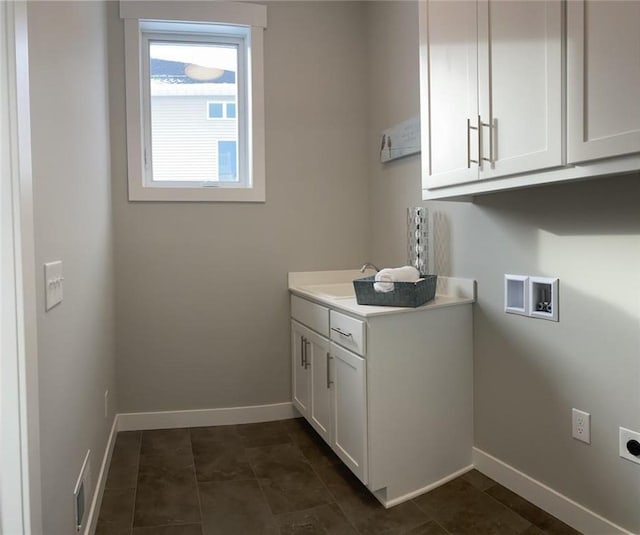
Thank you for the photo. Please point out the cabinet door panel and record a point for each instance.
(350, 413)
(448, 63)
(520, 85)
(299, 372)
(320, 413)
(603, 77)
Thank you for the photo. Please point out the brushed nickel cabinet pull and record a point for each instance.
(329, 381)
(306, 353)
(491, 130)
(468, 143)
(302, 352)
(469, 128)
(340, 331)
(479, 129)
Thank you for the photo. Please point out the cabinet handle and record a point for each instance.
(468, 143)
(306, 353)
(340, 331)
(329, 381)
(302, 352)
(491, 130)
(469, 128)
(479, 129)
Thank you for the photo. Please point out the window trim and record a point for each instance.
(239, 38)
(135, 14)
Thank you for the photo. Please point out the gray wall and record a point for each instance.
(202, 306)
(528, 373)
(71, 176)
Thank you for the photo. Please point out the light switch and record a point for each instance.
(53, 284)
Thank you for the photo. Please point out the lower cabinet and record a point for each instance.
(391, 394)
(320, 391)
(329, 390)
(349, 430)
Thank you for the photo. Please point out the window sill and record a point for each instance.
(207, 194)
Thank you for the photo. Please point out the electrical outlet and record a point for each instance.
(581, 425)
(106, 404)
(627, 445)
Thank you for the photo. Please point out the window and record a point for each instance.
(221, 110)
(214, 110)
(174, 71)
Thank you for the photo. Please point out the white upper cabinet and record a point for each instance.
(449, 98)
(520, 86)
(491, 89)
(603, 79)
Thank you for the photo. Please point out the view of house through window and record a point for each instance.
(193, 99)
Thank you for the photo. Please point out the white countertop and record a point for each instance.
(335, 289)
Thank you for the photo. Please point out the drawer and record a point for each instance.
(348, 332)
(314, 316)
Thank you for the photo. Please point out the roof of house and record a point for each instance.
(173, 72)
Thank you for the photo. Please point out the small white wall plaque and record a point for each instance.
(400, 140)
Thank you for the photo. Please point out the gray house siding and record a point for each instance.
(184, 141)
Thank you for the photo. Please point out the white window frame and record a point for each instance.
(194, 18)
(236, 36)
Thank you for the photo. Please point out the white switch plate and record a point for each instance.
(581, 425)
(625, 436)
(53, 284)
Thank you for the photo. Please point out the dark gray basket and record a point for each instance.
(404, 294)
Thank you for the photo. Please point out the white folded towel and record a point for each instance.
(386, 277)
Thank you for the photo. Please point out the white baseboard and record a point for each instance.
(424, 490)
(140, 421)
(92, 516)
(570, 512)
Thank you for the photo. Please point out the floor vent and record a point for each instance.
(83, 486)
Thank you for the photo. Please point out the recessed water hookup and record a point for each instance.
(536, 297)
(543, 298)
(516, 292)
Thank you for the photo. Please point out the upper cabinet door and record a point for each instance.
(603, 79)
(520, 86)
(449, 98)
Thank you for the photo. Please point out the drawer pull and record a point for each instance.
(302, 352)
(341, 332)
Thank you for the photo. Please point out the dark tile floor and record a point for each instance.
(280, 478)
